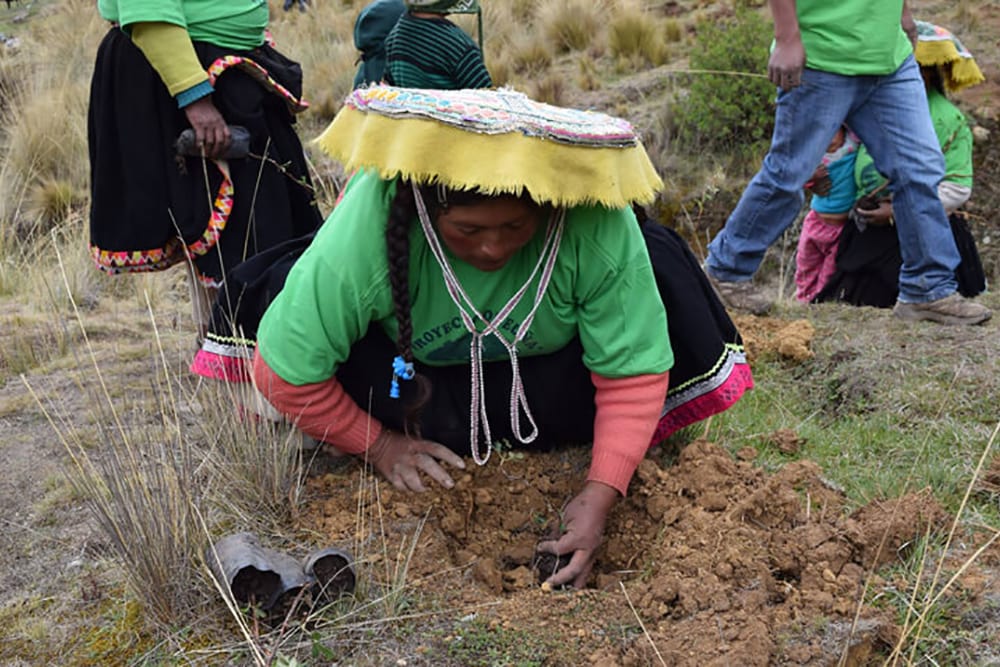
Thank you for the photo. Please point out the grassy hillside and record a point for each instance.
(119, 467)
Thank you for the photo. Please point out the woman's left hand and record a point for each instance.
(880, 215)
(582, 528)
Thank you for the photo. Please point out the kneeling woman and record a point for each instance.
(485, 266)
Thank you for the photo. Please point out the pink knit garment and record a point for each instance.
(816, 257)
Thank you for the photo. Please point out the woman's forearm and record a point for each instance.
(628, 410)
(168, 49)
(322, 410)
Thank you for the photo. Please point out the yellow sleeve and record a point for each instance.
(168, 49)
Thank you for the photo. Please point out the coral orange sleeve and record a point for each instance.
(322, 410)
(627, 412)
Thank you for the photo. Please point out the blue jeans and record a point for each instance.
(890, 116)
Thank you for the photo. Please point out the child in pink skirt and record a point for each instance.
(817, 250)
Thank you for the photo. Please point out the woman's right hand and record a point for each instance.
(210, 129)
(401, 459)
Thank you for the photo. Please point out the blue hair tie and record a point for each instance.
(401, 369)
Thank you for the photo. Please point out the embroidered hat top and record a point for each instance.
(494, 141)
(937, 46)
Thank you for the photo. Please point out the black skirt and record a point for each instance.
(149, 209)
(868, 263)
(710, 370)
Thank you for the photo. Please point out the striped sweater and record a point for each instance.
(433, 53)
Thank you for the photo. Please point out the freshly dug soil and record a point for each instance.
(710, 560)
(722, 562)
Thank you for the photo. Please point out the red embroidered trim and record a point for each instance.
(258, 74)
(174, 251)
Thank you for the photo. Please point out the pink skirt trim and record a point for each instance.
(221, 367)
(701, 407)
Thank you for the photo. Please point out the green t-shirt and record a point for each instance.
(954, 137)
(853, 37)
(231, 24)
(602, 289)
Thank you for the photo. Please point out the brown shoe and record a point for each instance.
(952, 309)
(743, 296)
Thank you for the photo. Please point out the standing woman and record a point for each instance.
(496, 287)
(166, 66)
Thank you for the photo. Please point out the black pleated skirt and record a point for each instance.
(151, 209)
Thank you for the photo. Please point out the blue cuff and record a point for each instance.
(193, 94)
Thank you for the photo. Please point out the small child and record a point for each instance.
(816, 256)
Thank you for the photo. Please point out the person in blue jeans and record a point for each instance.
(848, 62)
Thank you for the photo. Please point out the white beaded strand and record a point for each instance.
(470, 314)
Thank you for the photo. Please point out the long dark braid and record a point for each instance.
(397, 241)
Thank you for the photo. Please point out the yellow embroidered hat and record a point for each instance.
(494, 141)
(937, 46)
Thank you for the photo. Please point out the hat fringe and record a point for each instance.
(429, 152)
(963, 71)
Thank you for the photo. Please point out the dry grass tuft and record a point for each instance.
(52, 200)
(572, 25)
(11, 77)
(966, 17)
(501, 69)
(37, 342)
(550, 88)
(635, 34)
(521, 10)
(528, 54)
(143, 488)
(673, 31)
(42, 147)
(255, 461)
(44, 118)
(588, 78)
(928, 595)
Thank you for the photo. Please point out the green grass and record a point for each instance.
(872, 451)
(954, 628)
(479, 643)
